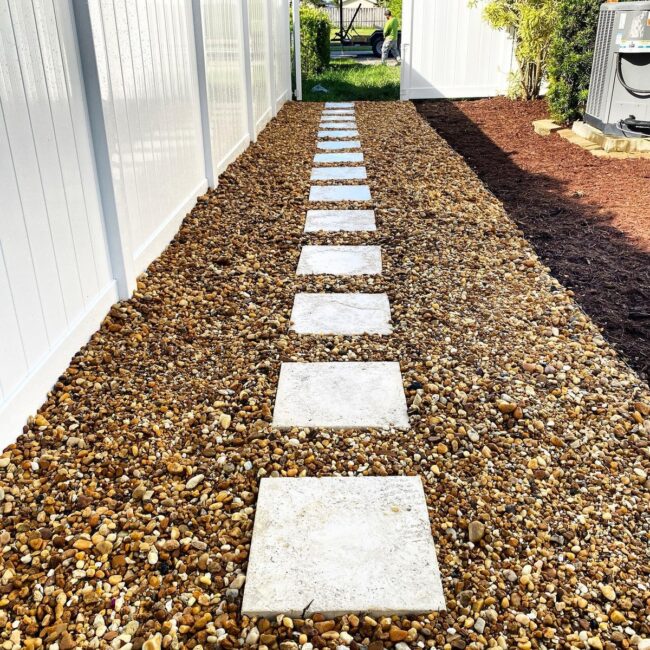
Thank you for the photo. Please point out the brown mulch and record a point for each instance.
(587, 217)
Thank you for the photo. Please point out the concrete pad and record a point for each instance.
(330, 158)
(339, 545)
(339, 133)
(339, 193)
(345, 314)
(339, 104)
(340, 220)
(343, 395)
(335, 126)
(338, 120)
(338, 174)
(337, 115)
(344, 144)
(339, 260)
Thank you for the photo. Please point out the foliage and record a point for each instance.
(347, 80)
(314, 40)
(569, 66)
(531, 23)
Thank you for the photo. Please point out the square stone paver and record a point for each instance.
(339, 104)
(335, 126)
(345, 314)
(338, 545)
(341, 395)
(344, 144)
(342, 133)
(339, 260)
(338, 174)
(339, 193)
(340, 220)
(331, 158)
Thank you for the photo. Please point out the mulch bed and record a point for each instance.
(128, 502)
(588, 217)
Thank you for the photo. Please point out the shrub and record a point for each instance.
(314, 40)
(531, 22)
(570, 58)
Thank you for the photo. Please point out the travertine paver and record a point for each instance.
(341, 395)
(331, 158)
(340, 133)
(346, 144)
(339, 260)
(340, 220)
(339, 104)
(338, 173)
(335, 126)
(341, 313)
(338, 545)
(339, 193)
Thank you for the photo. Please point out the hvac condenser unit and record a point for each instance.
(619, 91)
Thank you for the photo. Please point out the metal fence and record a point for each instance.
(367, 16)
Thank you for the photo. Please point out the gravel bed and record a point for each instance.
(128, 503)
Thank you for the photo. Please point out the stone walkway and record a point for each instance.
(446, 356)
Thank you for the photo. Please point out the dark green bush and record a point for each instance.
(572, 50)
(314, 40)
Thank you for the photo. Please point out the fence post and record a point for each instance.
(271, 20)
(248, 71)
(199, 47)
(296, 48)
(116, 223)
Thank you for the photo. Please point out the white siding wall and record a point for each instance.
(149, 95)
(260, 56)
(55, 278)
(450, 51)
(227, 106)
(108, 129)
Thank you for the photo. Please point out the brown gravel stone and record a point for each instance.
(135, 501)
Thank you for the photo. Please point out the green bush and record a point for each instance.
(314, 40)
(570, 58)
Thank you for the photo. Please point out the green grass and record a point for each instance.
(361, 31)
(348, 81)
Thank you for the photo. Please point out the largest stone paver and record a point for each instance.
(342, 545)
(341, 395)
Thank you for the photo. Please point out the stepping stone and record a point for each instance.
(338, 114)
(343, 395)
(337, 125)
(338, 173)
(339, 193)
(345, 314)
(328, 158)
(338, 545)
(340, 220)
(339, 104)
(347, 133)
(347, 144)
(339, 260)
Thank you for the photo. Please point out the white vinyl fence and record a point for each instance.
(448, 50)
(115, 115)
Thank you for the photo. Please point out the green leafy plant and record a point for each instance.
(314, 40)
(531, 24)
(572, 49)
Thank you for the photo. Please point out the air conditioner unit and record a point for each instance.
(619, 91)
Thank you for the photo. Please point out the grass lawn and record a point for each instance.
(361, 31)
(347, 81)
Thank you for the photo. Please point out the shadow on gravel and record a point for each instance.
(608, 274)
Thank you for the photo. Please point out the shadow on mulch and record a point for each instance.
(607, 271)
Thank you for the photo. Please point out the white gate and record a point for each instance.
(448, 50)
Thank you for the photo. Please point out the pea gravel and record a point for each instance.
(128, 502)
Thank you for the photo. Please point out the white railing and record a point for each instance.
(114, 116)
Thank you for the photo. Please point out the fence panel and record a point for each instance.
(148, 85)
(260, 63)
(227, 106)
(55, 277)
(450, 51)
(282, 52)
(365, 17)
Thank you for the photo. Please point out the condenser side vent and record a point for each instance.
(601, 63)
